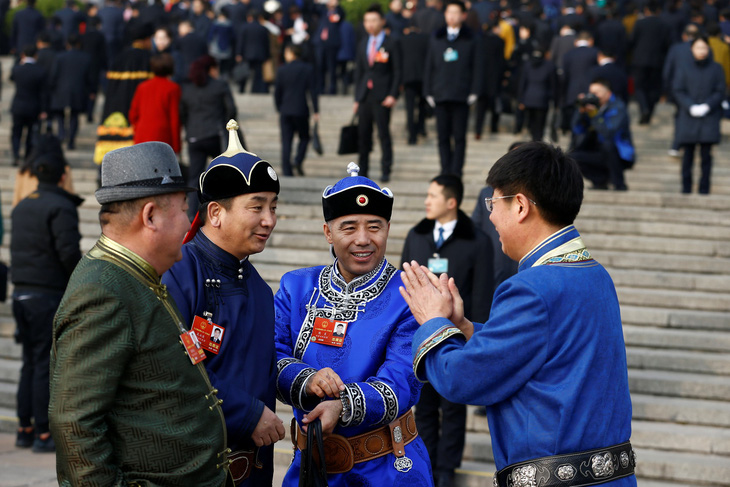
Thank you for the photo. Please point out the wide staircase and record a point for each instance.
(669, 255)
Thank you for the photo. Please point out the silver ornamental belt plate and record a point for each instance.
(403, 464)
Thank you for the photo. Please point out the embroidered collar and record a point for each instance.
(359, 282)
(553, 246)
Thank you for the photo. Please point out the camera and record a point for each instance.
(588, 99)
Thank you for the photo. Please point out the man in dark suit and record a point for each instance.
(429, 19)
(611, 35)
(112, 21)
(577, 66)
(452, 79)
(609, 70)
(327, 42)
(293, 81)
(70, 83)
(415, 44)
(92, 43)
(27, 24)
(377, 81)
(650, 42)
(492, 56)
(29, 101)
(191, 46)
(70, 18)
(252, 46)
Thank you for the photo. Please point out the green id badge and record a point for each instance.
(438, 265)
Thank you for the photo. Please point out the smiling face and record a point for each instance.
(359, 243)
(246, 226)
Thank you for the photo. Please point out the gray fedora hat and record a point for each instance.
(138, 171)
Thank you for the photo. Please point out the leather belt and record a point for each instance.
(571, 470)
(241, 464)
(341, 453)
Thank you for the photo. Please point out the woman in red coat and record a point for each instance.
(154, 113)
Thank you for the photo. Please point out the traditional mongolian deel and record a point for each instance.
(126, 403)
(555, 378)
(373, 363)
(216, 291)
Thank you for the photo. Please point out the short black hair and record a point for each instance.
(546, 175)
(74, 40)
(375, 8)
(295, 50)
(453, 187)
(458, 3)
(603, 82)
(30, 50)
(162, 64)
(226, 203)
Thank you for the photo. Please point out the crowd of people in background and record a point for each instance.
(525, 58)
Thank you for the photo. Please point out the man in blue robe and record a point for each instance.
(230, 307)
(552, 355)
(361, 386)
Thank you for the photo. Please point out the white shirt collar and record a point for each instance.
(448, 229)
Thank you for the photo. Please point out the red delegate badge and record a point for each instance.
(329, 332)
(192, 345)
(209, 334)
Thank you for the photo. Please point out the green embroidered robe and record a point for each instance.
(127, 406)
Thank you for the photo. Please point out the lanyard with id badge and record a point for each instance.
(438, 265)
(451, 55)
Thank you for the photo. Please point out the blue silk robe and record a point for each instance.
(374, 361)
(244, 369)
(549, 364)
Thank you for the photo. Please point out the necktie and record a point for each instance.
(451, 37)
(440, 240)
(371, 52)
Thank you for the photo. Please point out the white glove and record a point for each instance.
(472, 99)
(431, 101)
(696, 111)
(705, 109)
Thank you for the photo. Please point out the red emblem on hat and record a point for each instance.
(362, 200)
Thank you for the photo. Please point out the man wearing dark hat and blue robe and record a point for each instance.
(360, 385)
(224, 300)
(130, 402)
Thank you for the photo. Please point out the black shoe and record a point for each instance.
(603, 186)
(385, 178)
(411, 141)
(622, 187)
(24, 440)
(299, 170)
(645, 119)
(71, 146)
(44, 446)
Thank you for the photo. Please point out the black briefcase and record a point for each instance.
(316, 141)
(349, 143)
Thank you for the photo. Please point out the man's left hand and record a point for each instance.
(328, 413)
(428, 296)
(388, 102)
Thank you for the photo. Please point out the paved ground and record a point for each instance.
(23, 468)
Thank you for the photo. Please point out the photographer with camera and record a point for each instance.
(603, 148)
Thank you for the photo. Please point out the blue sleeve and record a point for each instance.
(291, 373)
(394, 389)
(508, 349)
(241, 409)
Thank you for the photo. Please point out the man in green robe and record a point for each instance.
(131, 403)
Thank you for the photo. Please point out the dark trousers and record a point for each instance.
(487, 104)
(414, 99)
(648, 82)
(327, 68)
(451, 120)
(688, 162)
(291, 124)
(371, 111)
(566, 118)
(601, 165)
(444, 439)
(536, 119)
(198, 153)
(21, 124)
(257, 84)
(33, 312)
(73, 126)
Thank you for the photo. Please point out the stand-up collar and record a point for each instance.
(554, 241)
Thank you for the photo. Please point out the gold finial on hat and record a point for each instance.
(234, 144)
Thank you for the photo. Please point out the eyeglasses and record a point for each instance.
(490, 201)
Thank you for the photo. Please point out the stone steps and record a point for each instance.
(688, 340)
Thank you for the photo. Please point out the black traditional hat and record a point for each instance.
(356, 195)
